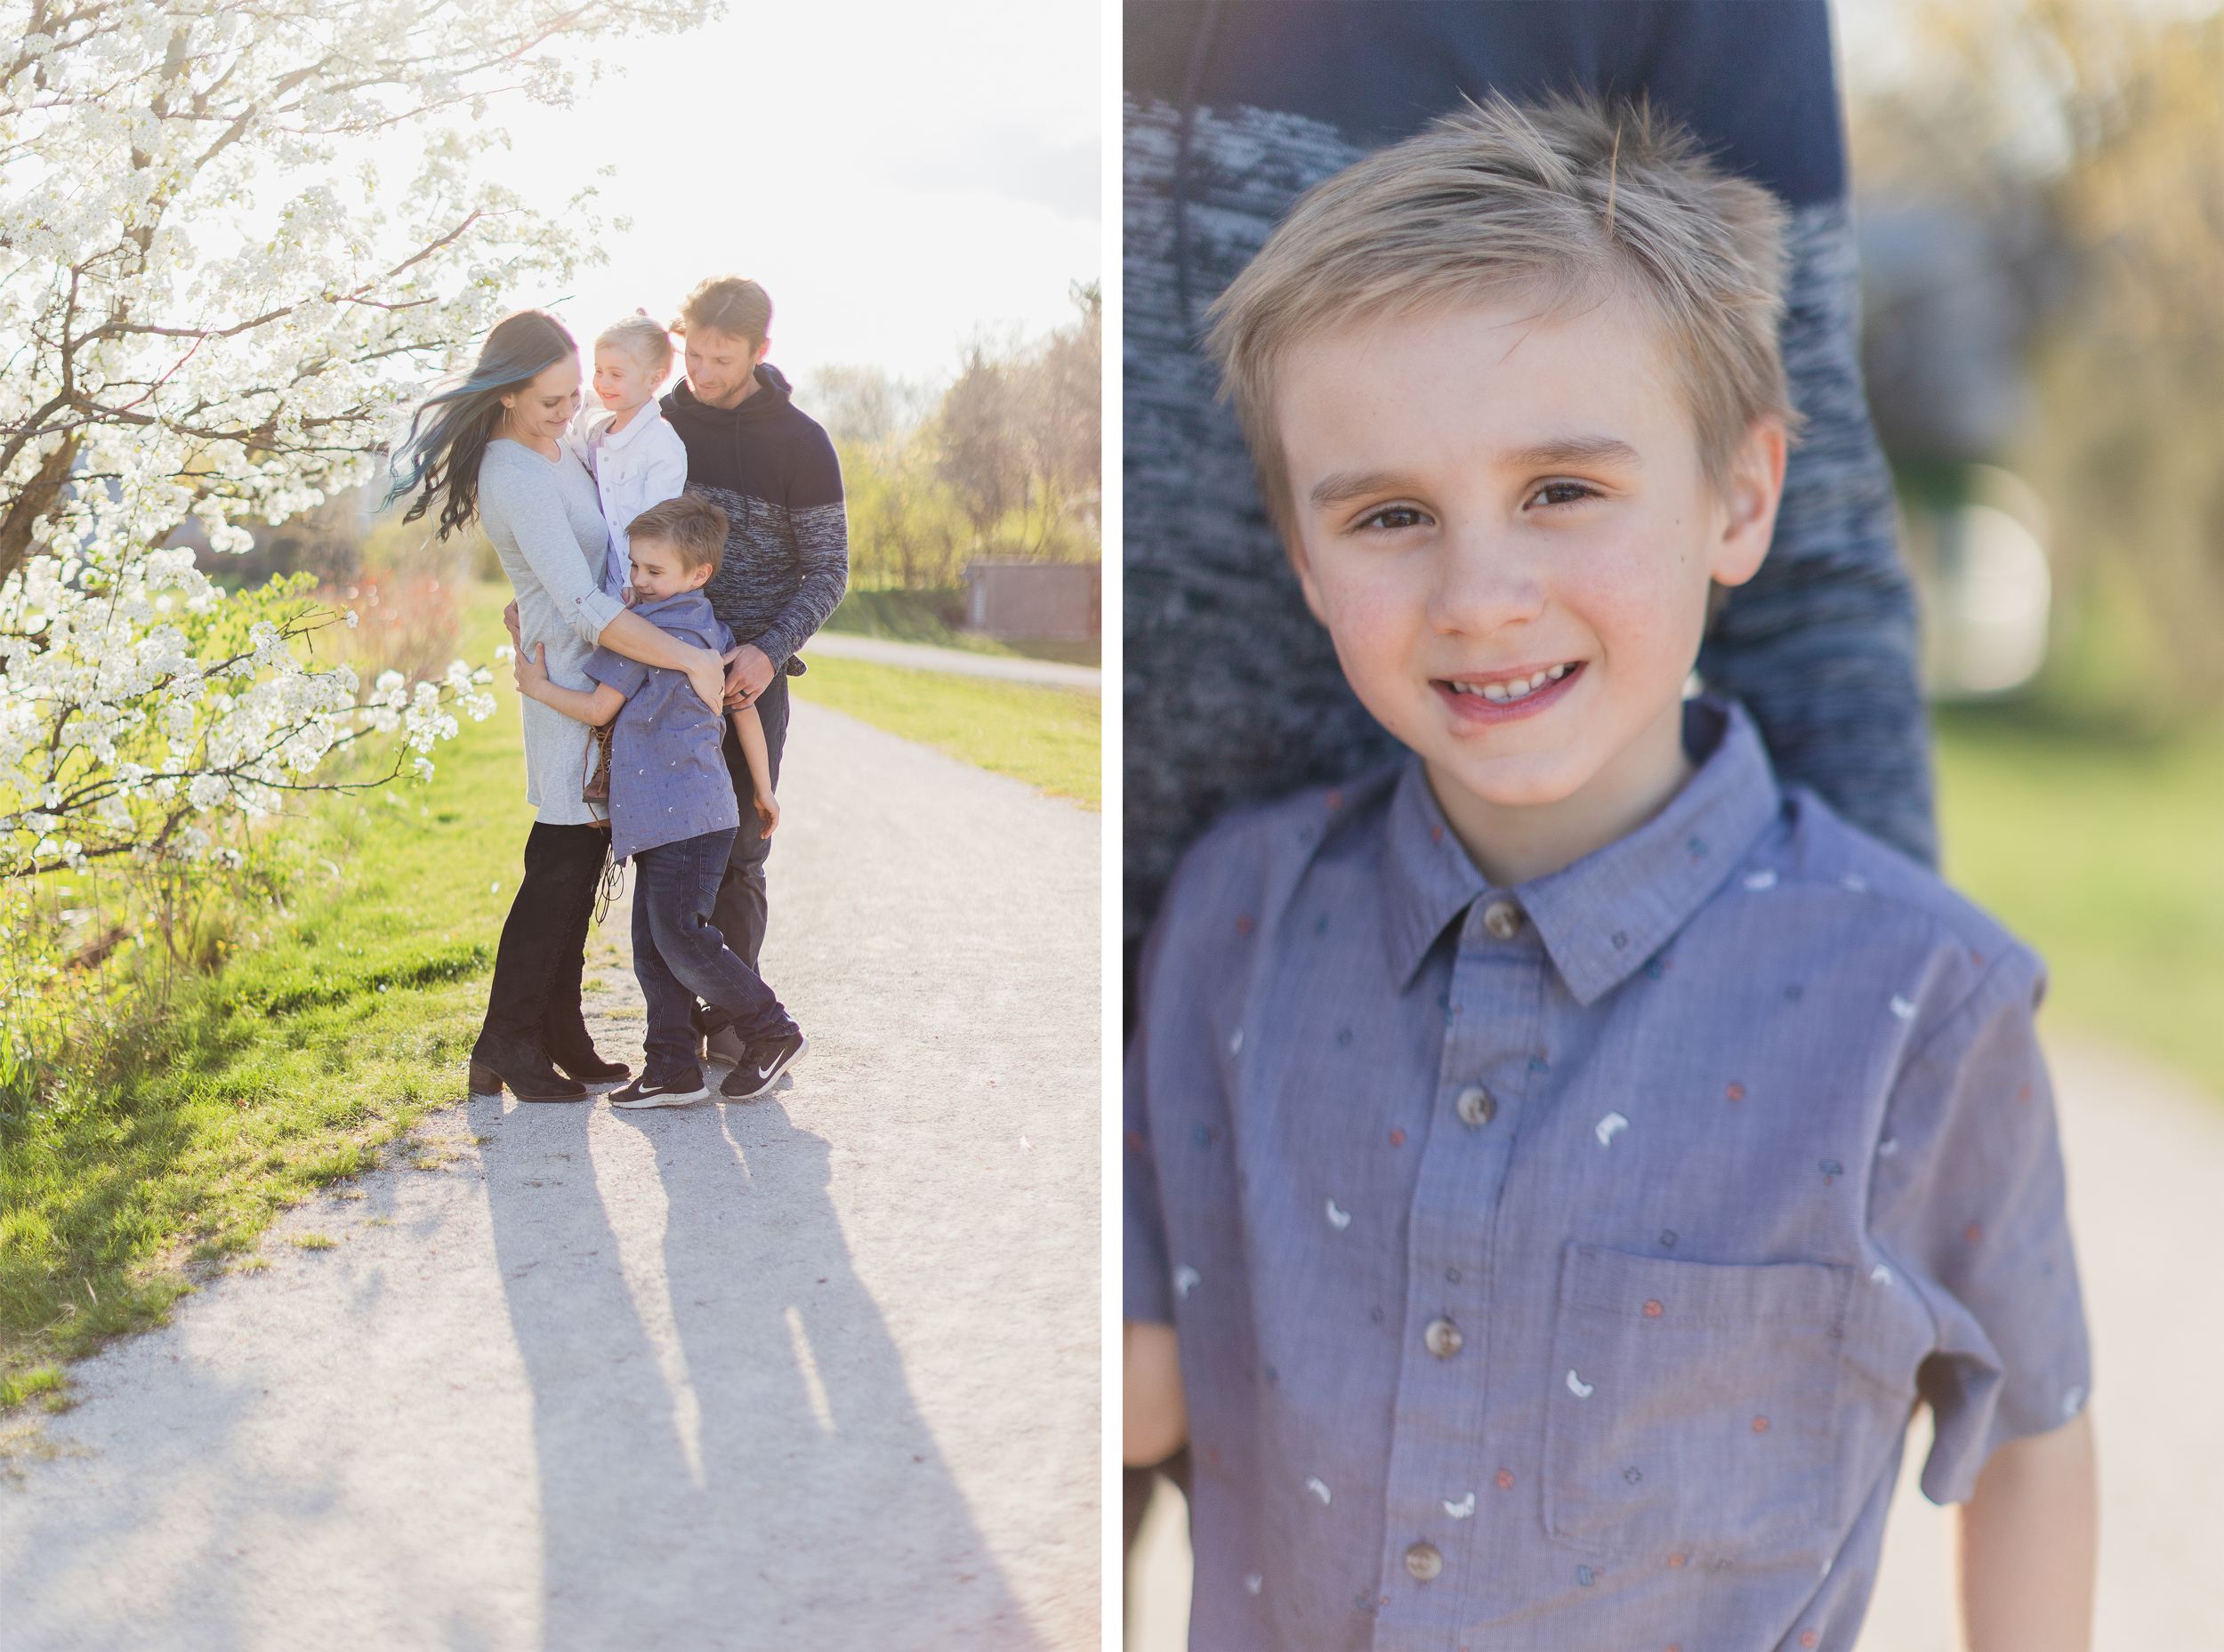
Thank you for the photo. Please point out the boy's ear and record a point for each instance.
(1754, 489)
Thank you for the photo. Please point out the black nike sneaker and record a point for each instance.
(675, 1091)
(762, 1065)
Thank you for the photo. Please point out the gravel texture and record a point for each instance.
(819, 1370)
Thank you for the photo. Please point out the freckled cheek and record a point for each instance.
(1642, 605)
(1373, 617)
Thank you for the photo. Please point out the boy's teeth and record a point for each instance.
(1514, 688)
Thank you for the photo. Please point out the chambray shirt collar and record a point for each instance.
(1602, 917)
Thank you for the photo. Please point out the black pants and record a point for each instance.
(741, 912)
(534, 995)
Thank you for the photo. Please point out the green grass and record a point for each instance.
(2107, 855)
(1053, 739)
(346, 1018)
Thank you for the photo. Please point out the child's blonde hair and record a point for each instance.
(643, 335)
(1569, 200)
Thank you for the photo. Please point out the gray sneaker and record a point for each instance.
(680, 1092)
(725, 1045)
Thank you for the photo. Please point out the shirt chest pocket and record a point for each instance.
(1692, 1412)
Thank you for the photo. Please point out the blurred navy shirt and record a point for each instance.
(1557, 1267)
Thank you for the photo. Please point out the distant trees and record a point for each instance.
(1005, 461)
(2093, 133)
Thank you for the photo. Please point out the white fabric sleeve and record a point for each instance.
(664, 466)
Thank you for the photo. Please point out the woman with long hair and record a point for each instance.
(490, 448)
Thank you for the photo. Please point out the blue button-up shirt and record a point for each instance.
(1558, 1266)
(668, 777)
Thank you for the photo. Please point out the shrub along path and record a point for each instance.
(817, 1370)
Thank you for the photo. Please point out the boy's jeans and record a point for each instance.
(679, 955)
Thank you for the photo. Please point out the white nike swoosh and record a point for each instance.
(764, 1072)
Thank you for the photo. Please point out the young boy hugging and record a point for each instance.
(1568, 1157)
(636, 458)
(673, 810)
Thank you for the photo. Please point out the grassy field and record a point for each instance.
(1049, 738)
(345, 1015)
(2109, 856)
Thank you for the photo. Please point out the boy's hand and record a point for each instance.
(532, 674)
(767, 815)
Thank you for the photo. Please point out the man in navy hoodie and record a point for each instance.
(772, 470)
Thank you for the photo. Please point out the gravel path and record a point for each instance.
(2145, 1156)
(819, 1370)
(921, 657)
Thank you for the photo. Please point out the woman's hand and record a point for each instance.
(706, 674)
(532, 674)
(768, 814)
(510, 621)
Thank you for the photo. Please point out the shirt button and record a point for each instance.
(1442, 1338)
(1502, 919)
(1423, 1561)
(1476, 1106)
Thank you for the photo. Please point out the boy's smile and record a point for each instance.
(1502, 519)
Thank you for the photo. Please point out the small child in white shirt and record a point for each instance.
(636, 457)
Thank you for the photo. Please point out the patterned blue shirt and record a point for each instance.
(668, 778)
(1558, 1266)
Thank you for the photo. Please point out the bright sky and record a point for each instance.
(898, 175)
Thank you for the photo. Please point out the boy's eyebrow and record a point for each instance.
(1575, 450)
(1340, 486)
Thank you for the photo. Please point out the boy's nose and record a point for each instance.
(1480, 585)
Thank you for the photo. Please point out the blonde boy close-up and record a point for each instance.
(1561, 1162)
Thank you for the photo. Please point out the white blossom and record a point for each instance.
(235, 235)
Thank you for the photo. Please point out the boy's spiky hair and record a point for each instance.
(690, 525)
(1567, 202)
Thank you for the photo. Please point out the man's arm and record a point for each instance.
(1154, 1418)
(2027, 1543)
(820, 523)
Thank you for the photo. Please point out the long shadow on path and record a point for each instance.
(729, 1453)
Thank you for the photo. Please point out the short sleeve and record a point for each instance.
(614, 670)
(1172, 1071)
(1971, 1201)
(1146, 1278)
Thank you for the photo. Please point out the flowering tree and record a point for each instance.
(234, 236)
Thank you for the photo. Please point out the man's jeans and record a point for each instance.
(740, 912)
(679, 954)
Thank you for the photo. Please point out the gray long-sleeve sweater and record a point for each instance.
(545, 521)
